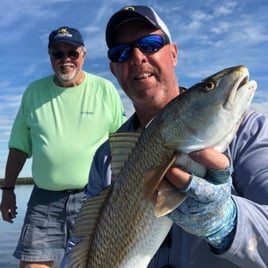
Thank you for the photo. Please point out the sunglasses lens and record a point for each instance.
(73, 54)
(147, 44)
(120, 53)
(58, 55)
(151, 43)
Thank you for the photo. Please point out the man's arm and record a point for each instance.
(247, 242)
(15, 162)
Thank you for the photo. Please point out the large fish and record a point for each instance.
(120, 227)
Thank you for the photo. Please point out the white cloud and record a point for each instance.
(210, 36)
(226, 9)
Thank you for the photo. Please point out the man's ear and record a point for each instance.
(111, 67)
(175, 53)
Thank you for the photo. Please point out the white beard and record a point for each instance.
(67, 77)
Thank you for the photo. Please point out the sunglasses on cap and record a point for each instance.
(59, 55)
(148, 44)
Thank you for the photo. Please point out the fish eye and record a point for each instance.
(209, 85)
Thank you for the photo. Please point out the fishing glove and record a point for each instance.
(209, 211)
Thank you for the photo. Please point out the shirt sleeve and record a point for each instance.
(250, 245)
(20, 137)
(100, 173)
(249, 152)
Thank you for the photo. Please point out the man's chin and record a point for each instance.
(66, 77)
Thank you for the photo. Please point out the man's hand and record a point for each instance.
(208, 211)
(8, 205)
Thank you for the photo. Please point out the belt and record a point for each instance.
(73, 191)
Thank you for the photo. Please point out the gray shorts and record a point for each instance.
(48, 221)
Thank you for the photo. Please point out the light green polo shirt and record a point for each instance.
(61, 128)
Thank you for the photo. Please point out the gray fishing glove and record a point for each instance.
(208, 211)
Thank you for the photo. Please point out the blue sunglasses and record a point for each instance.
(148, 45)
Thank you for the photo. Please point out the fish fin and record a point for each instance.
(168, 198)
(154, 176)
(121, 145)
(85, 228)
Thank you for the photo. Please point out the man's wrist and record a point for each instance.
(8, 188)
(223, 238)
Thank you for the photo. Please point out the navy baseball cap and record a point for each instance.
(134, 12)
(65, 34)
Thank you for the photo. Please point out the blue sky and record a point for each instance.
(210, 35)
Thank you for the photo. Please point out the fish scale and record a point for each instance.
(120, 227)
(138, 212)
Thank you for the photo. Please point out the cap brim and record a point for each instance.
(75, 44)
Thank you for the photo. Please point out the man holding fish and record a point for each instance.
(211, 215)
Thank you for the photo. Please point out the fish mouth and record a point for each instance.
(241, 84)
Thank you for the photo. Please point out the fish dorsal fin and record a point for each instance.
(121, 145)
(85, 227)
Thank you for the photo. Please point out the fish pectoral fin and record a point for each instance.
(85, 227)
(154, 176)
(167, 199)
